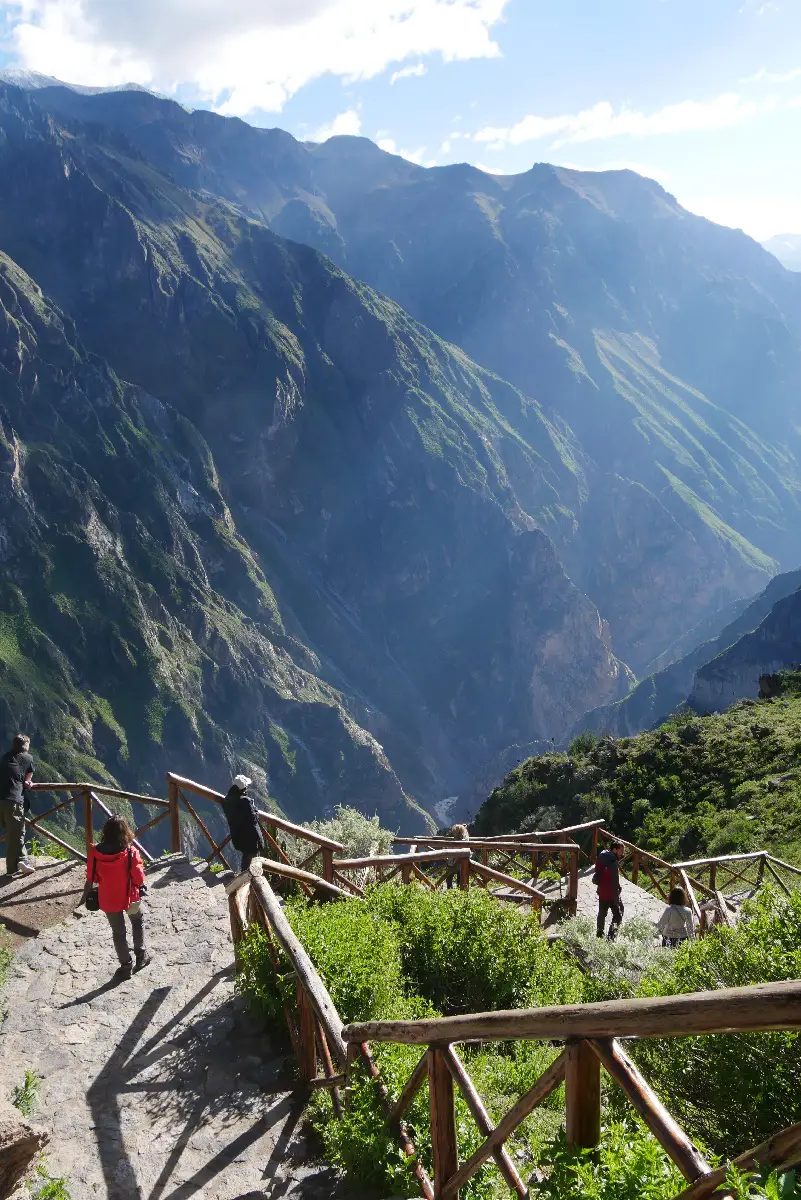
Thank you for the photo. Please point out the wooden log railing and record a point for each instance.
(314, 1025)
(590, 1034)
(322, 848)
(88, 797)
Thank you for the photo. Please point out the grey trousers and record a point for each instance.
(118, 932)
(13, 818)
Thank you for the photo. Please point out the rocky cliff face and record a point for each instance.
(256, 515)
(664, 691)
(773, 646)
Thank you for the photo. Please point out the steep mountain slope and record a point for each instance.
(138, 631)
(672, 347)
(715, 784)
(661, 693)
(370, 516)
(773, 646)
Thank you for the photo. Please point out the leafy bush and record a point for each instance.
(628, 1165)
(720, 1087)
(360, 835)
(614, 968)
(404, 952)
(48, 849)
(465, 952)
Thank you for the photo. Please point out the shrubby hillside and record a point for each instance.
(713, 784)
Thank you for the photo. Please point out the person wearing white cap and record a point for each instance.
(243, 821)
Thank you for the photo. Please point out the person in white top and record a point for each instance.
(676, 923)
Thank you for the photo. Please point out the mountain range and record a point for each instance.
(354, 474)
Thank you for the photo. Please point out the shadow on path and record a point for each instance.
(175, 1062)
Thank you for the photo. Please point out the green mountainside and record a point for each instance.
(288, 528)
(716, 784)
(670, 346)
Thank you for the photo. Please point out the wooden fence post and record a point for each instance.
(464, 874)
(635, 867)
(328, 864)
(307, 1036)
(595, 843)
(572, 889)
(88, 828)
(175, 818)
(713, 876)
(406, 872)
(443, 1121)
(582, 1095)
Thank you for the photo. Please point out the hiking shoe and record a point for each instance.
(123, 972)
(26, 868)
(142, 960)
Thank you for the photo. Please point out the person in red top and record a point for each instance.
(117, 869)
(607, 880)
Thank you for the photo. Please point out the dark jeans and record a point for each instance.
(13, 818)
(117, 923)
(604, 908)
(247, 859)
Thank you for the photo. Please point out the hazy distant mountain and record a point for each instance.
(787, 248)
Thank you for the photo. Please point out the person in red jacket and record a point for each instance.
(117, 869)
(607, 880)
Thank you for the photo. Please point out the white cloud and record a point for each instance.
(414, 156)
(242, 55)
(343, 123)
(602, 121)
(418, 70)
(764, 76)
(446, 147)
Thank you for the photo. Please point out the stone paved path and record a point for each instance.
(164, 1087)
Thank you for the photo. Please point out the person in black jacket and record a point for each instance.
(16, 772)
(240, 812)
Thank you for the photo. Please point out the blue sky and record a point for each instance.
(703, 95)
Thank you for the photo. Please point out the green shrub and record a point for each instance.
(720, 1087)
(614, 968)
(48, 848)
(465, 952)
(628, 1165)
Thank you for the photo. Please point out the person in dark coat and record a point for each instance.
(16, 772)
(243, 822)
(610, 897)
